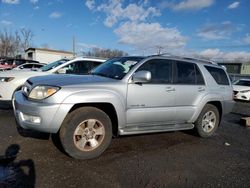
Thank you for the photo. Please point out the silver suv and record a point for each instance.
(125, 96)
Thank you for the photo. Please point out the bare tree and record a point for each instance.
(12, 44)
(105, 53)
(26, 37)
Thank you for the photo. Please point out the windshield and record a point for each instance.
(116, 68)
(243, 83)
(53, 65)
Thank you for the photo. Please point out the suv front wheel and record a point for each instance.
(86, 133)
(208, 121)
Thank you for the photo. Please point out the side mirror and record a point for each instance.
(61, 71)
(141, 77)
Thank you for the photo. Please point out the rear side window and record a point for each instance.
(188, 73)
(218, 74)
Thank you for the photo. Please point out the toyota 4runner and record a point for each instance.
(125, 96)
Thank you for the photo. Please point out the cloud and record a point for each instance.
(233, 5)
(216, 31)
(55, 15)
(134, 28)
(90, 4)
(115, 11)
(6, 22)
(246, 39)
(211, 53)
(34, 1)
(187, 5)
(148, 35)
(36, 7)
(14, 2)
(69, 25)
(216, 54)
(84, 46)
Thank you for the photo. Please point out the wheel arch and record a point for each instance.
(218, 105)
(17, 89)
(108, 108)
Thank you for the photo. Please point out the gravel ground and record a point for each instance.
(173, 159)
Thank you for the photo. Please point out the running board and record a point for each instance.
(154, 129)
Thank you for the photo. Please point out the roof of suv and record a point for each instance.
(190, 59)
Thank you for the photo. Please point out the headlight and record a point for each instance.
(42, 92)
(245, 91)
(6, 79)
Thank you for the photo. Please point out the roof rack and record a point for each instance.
(186, 58)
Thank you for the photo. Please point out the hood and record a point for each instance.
(240, 88)
(68, 79)
(18, 73)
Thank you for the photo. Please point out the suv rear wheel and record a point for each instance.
(86, 133)
(208, 121)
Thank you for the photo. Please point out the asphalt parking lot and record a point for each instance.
(173, 159)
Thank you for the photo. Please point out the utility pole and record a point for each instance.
(159, 48)
(74, 45)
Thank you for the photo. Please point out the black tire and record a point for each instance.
(77, 142)
(203, 128)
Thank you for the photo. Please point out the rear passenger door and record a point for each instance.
(190, 89)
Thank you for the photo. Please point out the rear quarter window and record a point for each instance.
(218, 74)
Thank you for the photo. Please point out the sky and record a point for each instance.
(217, 29)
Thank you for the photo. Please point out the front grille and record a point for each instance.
(235, 92)
(29, 82)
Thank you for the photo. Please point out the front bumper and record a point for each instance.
(242, 96)
(228, 106)
(39, 116)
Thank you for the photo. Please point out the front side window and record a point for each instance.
(37, 65)
(218, 74)
(161, 70)
(78, 67)
(95, 64)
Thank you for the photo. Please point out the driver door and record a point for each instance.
(152, 103)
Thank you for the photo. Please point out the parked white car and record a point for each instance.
(29, 66)
(13, 80)
(241, 89)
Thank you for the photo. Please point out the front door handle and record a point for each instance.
(168, 89)
(200, 89)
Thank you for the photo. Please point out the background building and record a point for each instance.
(44, 55)
(238, 70)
